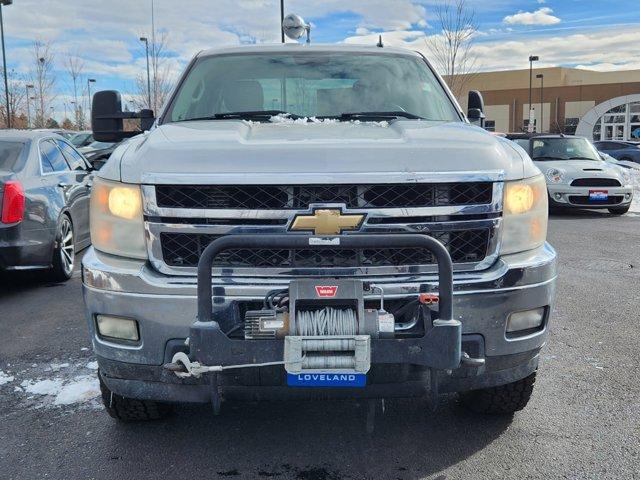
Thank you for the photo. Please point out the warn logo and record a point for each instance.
(326, 291)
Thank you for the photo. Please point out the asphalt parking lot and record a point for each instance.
(582, 422)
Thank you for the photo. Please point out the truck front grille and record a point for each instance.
(274, 197)
(184, 250)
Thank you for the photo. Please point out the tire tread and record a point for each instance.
(501, 400)
(131, 409)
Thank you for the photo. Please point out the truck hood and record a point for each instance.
(240, 152)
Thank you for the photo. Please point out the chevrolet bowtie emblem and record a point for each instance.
(327, 222)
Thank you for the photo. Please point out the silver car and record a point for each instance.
(577, 176)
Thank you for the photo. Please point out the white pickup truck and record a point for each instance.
(314, 220)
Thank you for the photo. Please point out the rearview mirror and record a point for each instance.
(107, 118)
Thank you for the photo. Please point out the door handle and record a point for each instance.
(63, 185)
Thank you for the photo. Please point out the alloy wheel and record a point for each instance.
(67, 246)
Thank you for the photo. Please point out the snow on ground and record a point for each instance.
(92, 365)
(73, 382)
(5, 378)
(635, 180)
(42, 387)
(79, 390)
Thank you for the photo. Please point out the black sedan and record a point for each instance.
(44, 201)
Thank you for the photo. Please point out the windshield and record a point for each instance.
(10, 155)
(80, 139)
(563, 149)
(99, 145)
(311, 84)
(523, 142)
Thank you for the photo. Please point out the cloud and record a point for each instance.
(542, 16)
(597, 50)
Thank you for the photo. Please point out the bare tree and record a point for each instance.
(161, 78)
(75, 67)
(44, 80)
(451, 48)
(17, 99)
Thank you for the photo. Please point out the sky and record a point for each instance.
(593, 34)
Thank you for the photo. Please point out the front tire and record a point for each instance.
(130, 409)
(64, 253)
(503, 400)
(619, 210)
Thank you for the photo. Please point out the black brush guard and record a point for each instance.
(438, 349)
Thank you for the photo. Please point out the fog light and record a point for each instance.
(557, 196)
(627, 196)
(117, 327)
(527, 320)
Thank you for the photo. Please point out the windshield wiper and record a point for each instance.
(252, 115)
(583, 158)
(548, 157)
(376, 115)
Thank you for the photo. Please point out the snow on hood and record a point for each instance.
(246, 152)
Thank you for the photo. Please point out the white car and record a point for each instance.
(577, 176)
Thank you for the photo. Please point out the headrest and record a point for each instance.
(243, 96)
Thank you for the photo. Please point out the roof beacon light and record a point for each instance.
(294, 27)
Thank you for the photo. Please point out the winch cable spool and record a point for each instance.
(326, 321)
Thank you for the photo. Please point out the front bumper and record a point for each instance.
(578, 197)
(165, 308)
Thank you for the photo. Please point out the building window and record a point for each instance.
(490, 125)
(570, 125)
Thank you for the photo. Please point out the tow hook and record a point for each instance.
(467, 361)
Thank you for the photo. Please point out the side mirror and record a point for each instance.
(475, 108)
(107, 118)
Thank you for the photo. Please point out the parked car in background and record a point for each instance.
(94, 146)
(97, 158)
(81, 139)
(576, 174)
(58, 131)
(620, 163)
(44, 199)
(627, 151)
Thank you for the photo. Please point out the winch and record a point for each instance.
(319, 307)
(324, 324)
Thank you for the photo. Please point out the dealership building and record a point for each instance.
(597, 105)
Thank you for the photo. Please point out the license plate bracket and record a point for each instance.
(598, 195)
(327, 380)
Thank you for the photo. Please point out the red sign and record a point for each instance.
(326, 291)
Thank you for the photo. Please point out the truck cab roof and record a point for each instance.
(314, 48)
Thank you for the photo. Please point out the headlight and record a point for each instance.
(117, 226)
(526, 210)
(626, 176)
(555, 175)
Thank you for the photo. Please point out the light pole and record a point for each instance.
(75, 113)
(146, 43)
(281, 20)
(541, 77)
(89, 82)
(532, 58)
(5, 3)
(28, 86)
